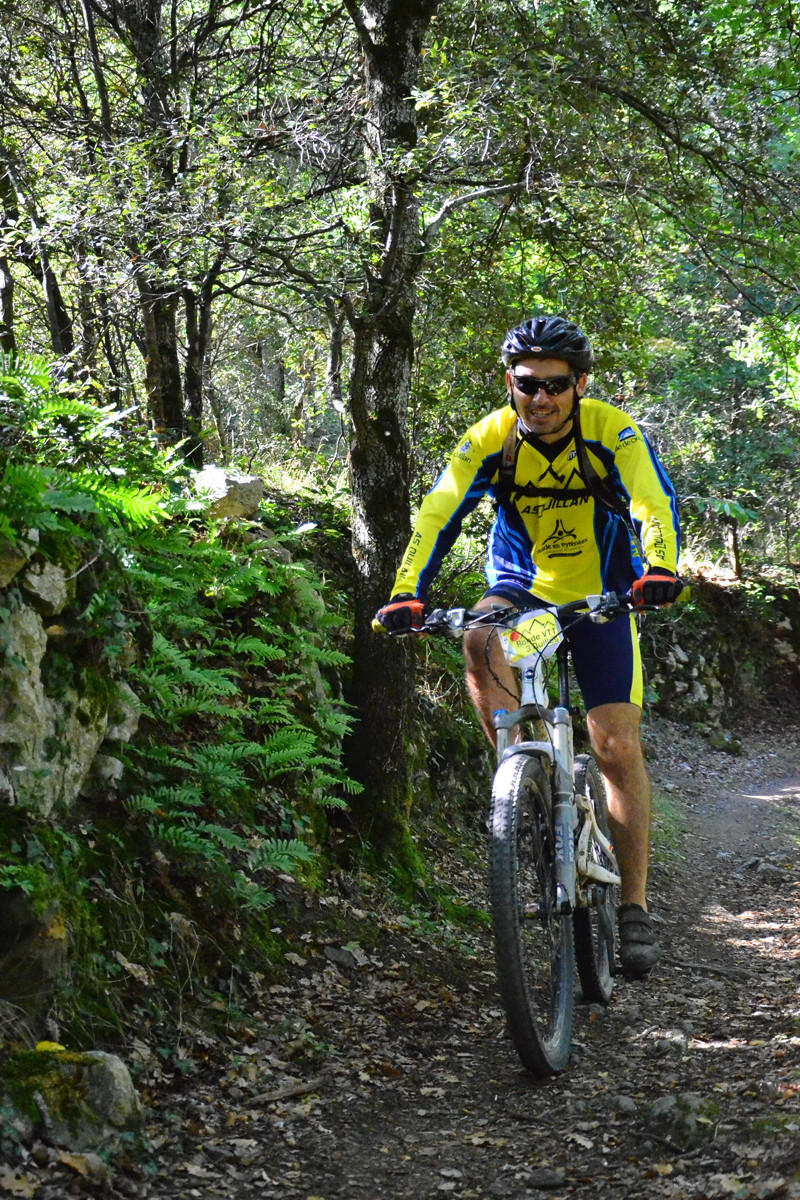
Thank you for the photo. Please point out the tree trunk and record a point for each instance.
(37, 260)
(7, 340)
(193, 379)
(58, 318)
(382, 686)
(162, 366)
(391, 33)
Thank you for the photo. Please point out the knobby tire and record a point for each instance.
(534, 946)
(595, 924)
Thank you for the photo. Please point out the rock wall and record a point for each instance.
(52, 730)
(727, 653)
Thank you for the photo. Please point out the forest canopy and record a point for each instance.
(281, 232)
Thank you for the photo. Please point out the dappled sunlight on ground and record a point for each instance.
(771, 933)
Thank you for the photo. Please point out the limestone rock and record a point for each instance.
(107, 772)
(84, 1100)
(111, 1093)
(229, 493)
(123, 715)
(51, 742)
(47, 584)
(13, 558)
(7, 793)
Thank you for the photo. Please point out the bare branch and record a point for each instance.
(455, 202)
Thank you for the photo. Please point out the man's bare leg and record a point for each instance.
(491, 681)
(614, 732)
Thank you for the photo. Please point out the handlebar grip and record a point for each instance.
(377, 627)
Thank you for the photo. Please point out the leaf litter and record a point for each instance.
(378, 1065)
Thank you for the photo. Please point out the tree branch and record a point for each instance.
(364, 35)
(455, 202)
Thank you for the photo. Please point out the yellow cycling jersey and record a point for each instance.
(561, 544)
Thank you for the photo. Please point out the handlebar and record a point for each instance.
(454, 621)
(605, 607)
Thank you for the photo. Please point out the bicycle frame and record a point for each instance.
(574, 868)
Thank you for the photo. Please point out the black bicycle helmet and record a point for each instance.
(550, 337)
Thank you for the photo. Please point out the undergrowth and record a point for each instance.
(231, 652)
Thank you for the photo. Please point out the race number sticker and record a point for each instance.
(533, 633)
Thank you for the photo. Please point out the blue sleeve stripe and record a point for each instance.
(447, 536)
(669, 491)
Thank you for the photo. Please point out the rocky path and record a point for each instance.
(380, 1068)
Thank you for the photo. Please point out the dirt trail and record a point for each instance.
(378, 1067)
(385, 1072)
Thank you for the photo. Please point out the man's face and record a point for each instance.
(548, 417)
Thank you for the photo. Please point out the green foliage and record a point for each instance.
(660, 210)
(237, 761)
(55, 445)
(239, 750)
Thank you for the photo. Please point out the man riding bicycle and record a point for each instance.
(583, 506)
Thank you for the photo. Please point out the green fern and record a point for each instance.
(276, 854)
(139, 506)
(255, 648)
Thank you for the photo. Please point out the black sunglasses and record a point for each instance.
(529, 385)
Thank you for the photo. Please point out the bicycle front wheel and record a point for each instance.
(533, 942)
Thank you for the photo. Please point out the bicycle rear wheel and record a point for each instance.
(594, 923)
(533, 942)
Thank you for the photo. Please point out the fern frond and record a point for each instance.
(140, 506)
(210, 680)
(221, 835)
(276, 854)
(254, 648)
(328, 800)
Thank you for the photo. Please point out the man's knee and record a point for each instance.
(478, 660)
(614, 733)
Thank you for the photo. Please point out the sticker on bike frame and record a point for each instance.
(531, 633)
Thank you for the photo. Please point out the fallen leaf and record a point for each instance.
(770, 1187)
(729, 1185)
(580, 1140)
(90, 1166)
(17, 1185)
(139, 973)
(358, 954)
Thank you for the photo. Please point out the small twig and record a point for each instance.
(708, 969)
(289, 1091)
(670, 1145)
(85, 567)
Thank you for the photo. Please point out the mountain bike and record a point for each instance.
(554, 879)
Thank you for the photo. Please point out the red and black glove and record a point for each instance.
(403, 614)
(657, 586)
